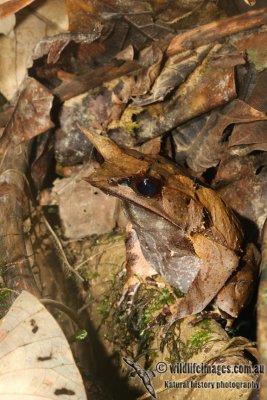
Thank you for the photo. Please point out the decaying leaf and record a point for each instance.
(90, 80)
(241, 181)
(31, 115)
(174, 72)
(96, 110)
(150, 58)
(253, 42)
(252, 136)
(36, 359)
(185, 135)
(240, 287)
(206, 88)
(44, 18)
(209, 146)
(53, 46)
(42, 161)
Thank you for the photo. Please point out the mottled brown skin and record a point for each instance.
(186, 232)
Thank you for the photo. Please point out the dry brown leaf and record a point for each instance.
(10, 7)
(36, 360)
(31, 115)
(209, 146)
(253, 43)
(53, 46)
(241, 286)
(241, 181)
(252, 136)
(150, 58)
(207, 87)
(45, 18)
(174, 72)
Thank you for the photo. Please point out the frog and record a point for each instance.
(182, 231)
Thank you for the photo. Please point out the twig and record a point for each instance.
(216, 30)
(90, 80)
(61, 251)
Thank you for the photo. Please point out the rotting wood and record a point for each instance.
(11, 7)
(14, 207)
(15, 262)
(93, 79)
(217, 30)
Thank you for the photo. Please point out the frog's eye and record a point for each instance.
(149, 186)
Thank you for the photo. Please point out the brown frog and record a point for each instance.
(186, 232)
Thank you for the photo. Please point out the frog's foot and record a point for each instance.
(217, 315)
(206, 315)
(138, 270)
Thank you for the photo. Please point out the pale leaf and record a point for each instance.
(35, 358)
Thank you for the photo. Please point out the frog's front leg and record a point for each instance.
(237, 292)
(138, 270)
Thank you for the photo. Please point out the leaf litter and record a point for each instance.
(162, 80)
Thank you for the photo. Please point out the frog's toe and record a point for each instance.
(131, 287)
(129, 291)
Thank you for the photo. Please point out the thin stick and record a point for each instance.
(90, 80)
(61, 250)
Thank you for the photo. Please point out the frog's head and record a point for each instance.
(131, 175)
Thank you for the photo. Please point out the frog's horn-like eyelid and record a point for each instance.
(106, 147)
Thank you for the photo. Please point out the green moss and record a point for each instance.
(104, 308)
(5, 294)
(258, 58)
(199, 338)
(179, 293)
(131, 127)
(52, 210)
(108, 238)
(79, 335)
(161, 299)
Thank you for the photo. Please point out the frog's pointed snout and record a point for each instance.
(109, 150)
(117, 160)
